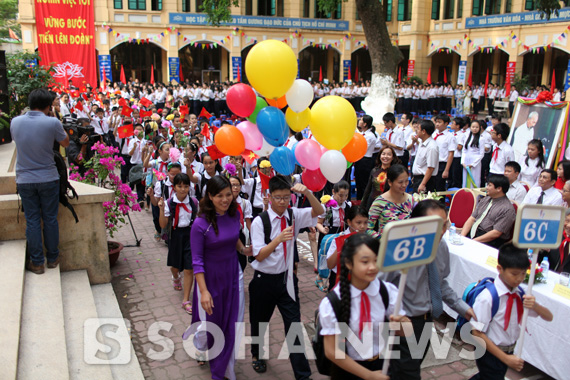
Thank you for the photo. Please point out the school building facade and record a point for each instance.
(450, 37)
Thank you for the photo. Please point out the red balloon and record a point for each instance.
(241, 99)
(313, 179)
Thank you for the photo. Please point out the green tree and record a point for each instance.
(8, 18)
(23, 78)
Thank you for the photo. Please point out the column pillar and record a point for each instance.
(547, 68)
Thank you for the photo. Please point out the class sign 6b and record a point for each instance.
(409, 243)
(538, 226)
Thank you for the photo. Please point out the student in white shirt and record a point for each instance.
(532, 163)
(545, 193)
(517, 191)
(472, 155)
(361, 295)
(394, 136)
(488, 143)
(500, 335)
(446, 144)
(426, 163)
(512, 99)
(502, 151)
(363, 167)
(456, 171)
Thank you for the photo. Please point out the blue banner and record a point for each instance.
(174, 68)
(236, 62)
(261, 21)
(523, 18)
(105, 64)
(567, 81)
(345, 69)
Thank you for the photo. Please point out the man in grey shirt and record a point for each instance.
(37, 178)
(426, 288)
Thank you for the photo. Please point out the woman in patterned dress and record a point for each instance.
(394, 204)
(377, 180)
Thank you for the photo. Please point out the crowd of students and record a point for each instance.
(229, 210)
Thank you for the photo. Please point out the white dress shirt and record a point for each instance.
(498, 160)
(445, 142)
(529, 173)
(396, 137)
(184, 217)
(427, 156)
(552, 196)
(371, 140)
(516, 192)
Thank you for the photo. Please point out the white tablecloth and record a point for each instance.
(547, 344)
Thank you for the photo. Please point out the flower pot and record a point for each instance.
(115, 249)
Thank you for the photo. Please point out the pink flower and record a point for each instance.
(231, 169)
(332, 203)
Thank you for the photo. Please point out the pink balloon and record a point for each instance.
(313, 179)
(323, 150)
(308, 153)
(253, 138)
(241, 99)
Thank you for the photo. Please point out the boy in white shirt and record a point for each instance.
(502, 151)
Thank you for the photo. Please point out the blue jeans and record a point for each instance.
(41, 203)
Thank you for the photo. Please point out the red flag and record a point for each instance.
(214, 152)
(553, 83)
(486, 84)
(126, 111)
(13, 35)
(264, 181)
(238, 75)
(79, 106)
(151, 74)
(470, 79)
(123, 102)
(181, 76)
(126, 130)
(320, 73)
(206, 131)
(508, 86)
(144, 113)
(349, 68)
(356, 74)
(205, 114)
(103, 81)
(123, 79)
(249, 156)
(214, 129)
(444, 75)
(145, 102)
(400, 75)
(183, 110)
(429, 76)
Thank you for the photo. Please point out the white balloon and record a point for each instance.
(300, 95)
(265, 150)
(333, 165)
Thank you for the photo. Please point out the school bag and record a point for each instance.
(324, 365)
(322, 267)
(473, 290)
(64, 186)
(166, 231)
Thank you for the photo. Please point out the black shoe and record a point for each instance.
(37, 269)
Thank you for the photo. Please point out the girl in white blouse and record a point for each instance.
(362, 306)
(473, 151)
(533, 163)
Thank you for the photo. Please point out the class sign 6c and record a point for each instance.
(409, 243)
(538, 226)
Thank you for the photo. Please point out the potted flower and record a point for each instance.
(101, 172)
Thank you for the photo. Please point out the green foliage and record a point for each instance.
(22, 80)
(328, 6)
(416, 79)
(218, 11)
(521, 83)
(8, 14)
(548, 8)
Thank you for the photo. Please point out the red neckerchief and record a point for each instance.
(283, 226)
(437, 135)
(163, 165)
(496, 153)
(240, 215)
(364, 312)
(177, 214)
(510, 300)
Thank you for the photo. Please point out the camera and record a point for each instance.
(76, 128)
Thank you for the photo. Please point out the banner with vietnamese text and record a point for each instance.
(66, 38)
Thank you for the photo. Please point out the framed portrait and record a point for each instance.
(537, 121)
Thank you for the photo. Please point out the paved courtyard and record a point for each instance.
(141, 281)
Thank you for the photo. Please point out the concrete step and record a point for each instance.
(128, 366)
(12, 257)
(43, 352)
(79, 308)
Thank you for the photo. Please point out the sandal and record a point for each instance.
(259, 366)
(157, 237)
(201, 358)
(176, 283)
(319, 283)
(187, 306)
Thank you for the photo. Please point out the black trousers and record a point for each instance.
(408, 368)
(405, 158)
(126, 168)
(490, 106)
(362, 169)
(485, 164)
(490, 368)
(155, 218)
(511, 108)
(456, 173)
(338, 373)
(440, 182)
(417, 180)
(266, 291)
(496, 243)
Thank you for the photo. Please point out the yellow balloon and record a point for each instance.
(271, 68)
(298, 121)
(333, 122)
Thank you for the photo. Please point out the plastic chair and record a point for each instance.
(454, 112)
(428, 115)
(217, 123)
(465, 202)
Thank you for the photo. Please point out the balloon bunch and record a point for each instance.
(271, 67)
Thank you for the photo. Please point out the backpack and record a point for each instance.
(322, 266)
(324, 365)
(166, 231)
(472, 292)
(64, 185)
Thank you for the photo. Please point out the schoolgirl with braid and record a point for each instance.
(365, 303)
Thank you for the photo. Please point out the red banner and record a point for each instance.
(411, 67)
(66, 38)
(511, 68)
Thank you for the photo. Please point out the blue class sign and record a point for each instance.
(538, 226)
(523, 18)
(262, 21)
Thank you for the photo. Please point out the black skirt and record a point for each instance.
(179, 253)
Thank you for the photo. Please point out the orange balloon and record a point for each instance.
(279, 103)
(230, 140)
(356, 148)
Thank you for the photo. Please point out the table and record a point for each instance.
(547, 344)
